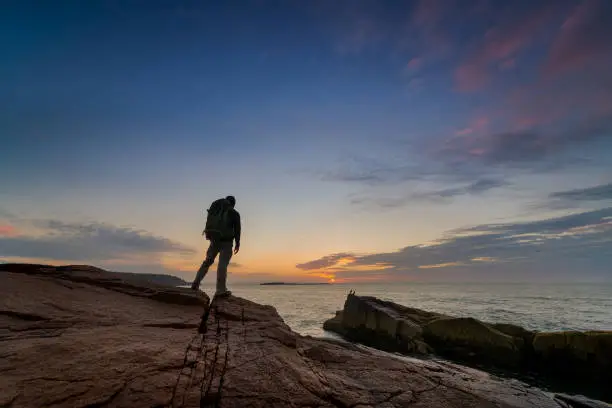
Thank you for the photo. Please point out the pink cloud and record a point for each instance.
(430, 12)
(471, 76)
(553, 112)
(463, 132)
(427, 24)
(528, 122)
(415, 83)
(537, 121)
(477, 152)
(501, 44)
(549, 101)
(477, 125)
(7, 231)
(529, 106)
(481, 123)
(583, 40)
(415, 63)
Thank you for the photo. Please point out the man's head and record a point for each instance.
(232, 200)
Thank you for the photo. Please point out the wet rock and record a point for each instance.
(466, 337)
(580, 357)
(335, 323)
(580, 401)
(515, 331)
(580, 361)
(382, 324)
(393, 327)
(70, 342)
(592, 346)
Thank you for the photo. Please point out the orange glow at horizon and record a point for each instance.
(8, 230)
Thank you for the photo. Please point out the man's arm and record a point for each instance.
(237, 229)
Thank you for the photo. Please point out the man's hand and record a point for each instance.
(236, 249)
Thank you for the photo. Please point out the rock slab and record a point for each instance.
(82, 338)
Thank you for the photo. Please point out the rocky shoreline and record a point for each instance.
(78, 336)
(581, 361)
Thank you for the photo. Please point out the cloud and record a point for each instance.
(557, 225)
(584, 39)
(477, 125)
(88, 242)
(7, 215)
(458, 162)
(381, 202)
(415, 63)
(446, 178)
(7, 230)
(546, 248)
(526, 146)
(508, 64)
(551, 100)
(576, 198)
(427, 25)
(429, 13)
(539, 123)
(601, 192)
(444, 195)
(324, 262)
(375, 172)
(478, 187)
(500, 45)
(357, 27)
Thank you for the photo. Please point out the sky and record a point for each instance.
(364, 141)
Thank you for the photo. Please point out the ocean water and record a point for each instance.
(533, 306)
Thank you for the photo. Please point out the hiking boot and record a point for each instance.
(223, 294)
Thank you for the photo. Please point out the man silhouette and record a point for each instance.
(222, 228)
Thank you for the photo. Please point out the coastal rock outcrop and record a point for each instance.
(396, 328)
(463, 336)
(75, 337)
(581, 359)
(575, 354)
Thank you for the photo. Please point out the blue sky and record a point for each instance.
(363, 140)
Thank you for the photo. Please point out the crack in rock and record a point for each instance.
(23, 316)
(108, 400)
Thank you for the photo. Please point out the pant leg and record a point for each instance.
(211, 254)
(224, 260)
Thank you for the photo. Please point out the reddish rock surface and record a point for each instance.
(79, 337)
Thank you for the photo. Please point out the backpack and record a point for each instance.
(218, 222)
